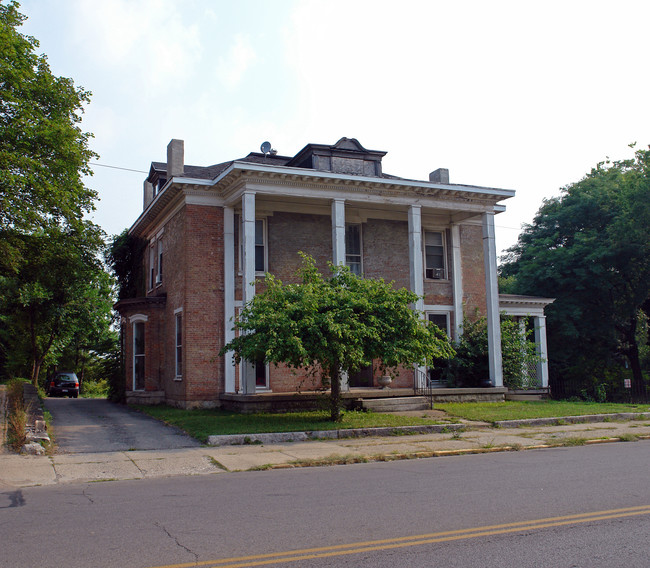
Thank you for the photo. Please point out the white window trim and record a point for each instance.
(135, 320)
(440, 312)
(178, 312)
(240, 245)
(267, 387)
(159, 253)
(445, 267)
(151, 276)
(360, 246)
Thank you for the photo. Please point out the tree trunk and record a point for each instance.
(335, 394)
(632, 353)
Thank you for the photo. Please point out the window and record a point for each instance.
(159, 275)
(261, 375)
(138, 356)
(260, 246)
(179, 345)
(353, 248)
(437, 367)
(152, 268)
(440, 320)
(434, 255)
(158, 185)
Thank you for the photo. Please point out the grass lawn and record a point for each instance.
(203, 423)
(517, 410)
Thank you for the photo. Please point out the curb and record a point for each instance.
(563, 420)
(346, 460)
(282, 437)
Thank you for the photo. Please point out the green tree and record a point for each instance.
(590, 249)
(124, 256)
(43, 152)
(336, 324)
(58, 294)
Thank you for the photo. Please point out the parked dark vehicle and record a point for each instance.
(63, 384)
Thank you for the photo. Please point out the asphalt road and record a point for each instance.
(567, 507)
(88, 425)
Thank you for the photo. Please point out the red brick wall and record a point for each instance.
(193, 280)
(471, 246)
(203, 307)
(175, 264)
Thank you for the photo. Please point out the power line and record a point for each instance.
(118, 168)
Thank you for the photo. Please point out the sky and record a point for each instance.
(517, 95)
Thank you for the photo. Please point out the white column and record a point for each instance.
(492, 297)
(338, 232)
(248, 278)
(415, 254)
(338, 255)
(229, 292)
(416, 272)
(540, 345)
(457, 281)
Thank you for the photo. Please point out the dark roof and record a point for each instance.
(211, 172)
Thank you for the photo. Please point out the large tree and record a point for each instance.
(336, 324)
(590, 249)
(43, 152)
(54, 292)
(58, 297)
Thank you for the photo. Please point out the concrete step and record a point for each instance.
(395, 404)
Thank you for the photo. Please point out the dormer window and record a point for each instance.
(158, 184)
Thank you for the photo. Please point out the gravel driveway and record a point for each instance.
(88, 425)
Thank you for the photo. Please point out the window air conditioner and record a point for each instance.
(435, 273)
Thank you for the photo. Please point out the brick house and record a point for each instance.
(211, 230)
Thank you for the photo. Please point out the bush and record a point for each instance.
(94, 389)
(470, 366)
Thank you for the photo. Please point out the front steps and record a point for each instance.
(395, 404)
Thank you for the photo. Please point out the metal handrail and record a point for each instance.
(423, 385)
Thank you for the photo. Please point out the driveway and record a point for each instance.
(89, 425)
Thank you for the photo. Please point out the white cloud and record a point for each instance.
(241, 56)
(146, 43)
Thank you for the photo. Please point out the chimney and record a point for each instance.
(175, 158)
(441, 175)
(148, 194)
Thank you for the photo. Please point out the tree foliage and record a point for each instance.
(57, 298)
(336, 324)
(43, 152)
(590, 249)
(124, 256)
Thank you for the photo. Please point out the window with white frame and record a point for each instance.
(261, 368)
(261, 255)
(179, 344)
(434, 255)
(261, 375)
(353, 248)
(159, 267)
(152, 267)
(138, 355)
(436, 367)
(440, 320)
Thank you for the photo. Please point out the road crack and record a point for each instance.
(88, 496)
(164, 529)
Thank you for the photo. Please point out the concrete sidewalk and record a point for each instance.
(26, 471)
